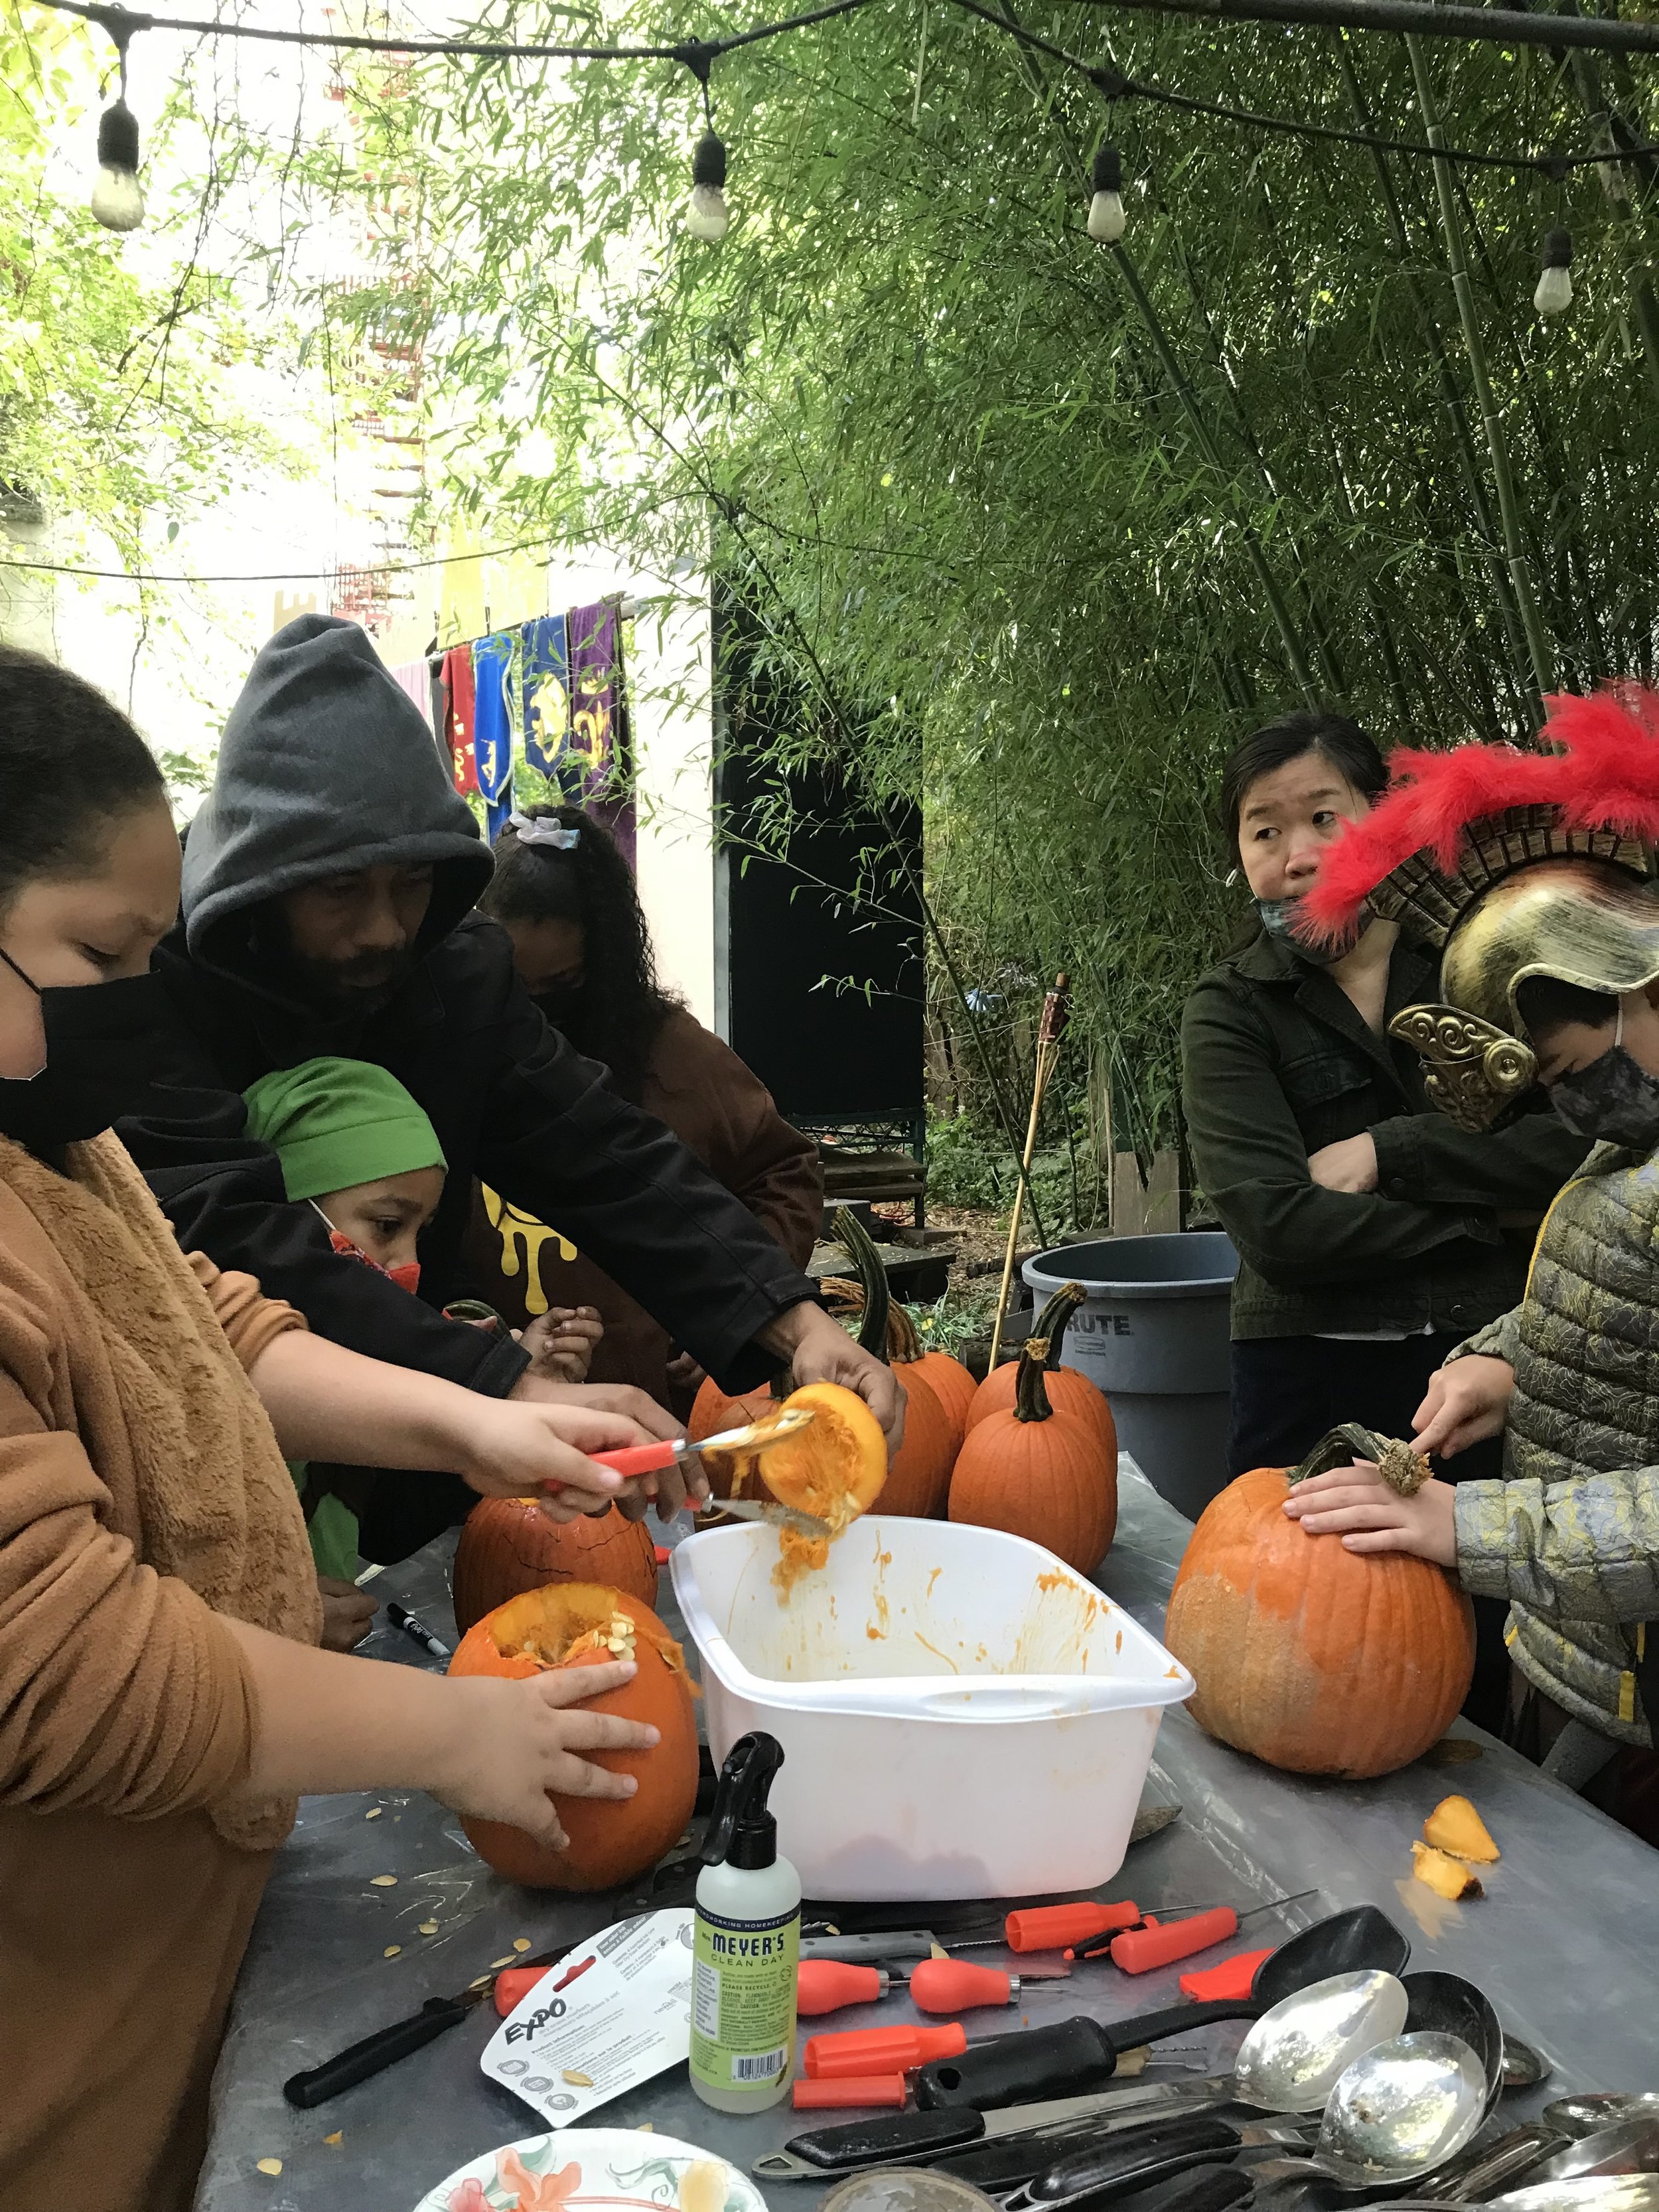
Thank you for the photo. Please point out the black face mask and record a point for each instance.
(1614, 1099)
(103, 1050)
(1278, 919)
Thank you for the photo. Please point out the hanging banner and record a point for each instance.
(595, 743)
(492, 729)
(458, 717)
(544, 688)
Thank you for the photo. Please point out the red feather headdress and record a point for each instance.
(1604, 776)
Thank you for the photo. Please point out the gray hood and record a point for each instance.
(326, 766)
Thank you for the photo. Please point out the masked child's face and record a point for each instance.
(383, 1220)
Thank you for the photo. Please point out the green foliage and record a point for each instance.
(1036, 531)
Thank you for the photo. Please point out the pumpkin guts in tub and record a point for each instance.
(832, 1469)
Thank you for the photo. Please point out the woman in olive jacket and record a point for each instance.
(1372, 1234)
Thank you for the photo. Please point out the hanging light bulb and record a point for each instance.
(118, 200)
(1554, 293)
(1107, 219)
(706, 214)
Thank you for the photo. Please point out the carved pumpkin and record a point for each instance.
(712, 1410)
(611, 1840)
(918, 1473)
(1041, 1473)
(1315, 1659)
(509, 1546)
(1069, 1391)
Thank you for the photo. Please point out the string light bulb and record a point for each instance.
(1107, 221)
(1554, 293)
(706, 215)
(117, 198)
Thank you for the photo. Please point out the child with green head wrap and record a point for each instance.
(355, 1145)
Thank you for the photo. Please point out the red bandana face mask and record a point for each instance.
(406, 1274)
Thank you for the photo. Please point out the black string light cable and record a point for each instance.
(285, 575)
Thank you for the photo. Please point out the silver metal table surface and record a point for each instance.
(1565, 1941)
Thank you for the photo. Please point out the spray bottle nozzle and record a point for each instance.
(741, 1831)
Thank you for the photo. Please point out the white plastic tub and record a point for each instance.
(961, 1714)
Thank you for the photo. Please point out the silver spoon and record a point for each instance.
(1611, 2192)
(1628, 2147)
(1398, 2112)
(1523, 2066)
(1592, 2110)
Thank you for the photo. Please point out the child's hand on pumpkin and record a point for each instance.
(1355, 1504)
(511, 1742)
(561, 1342)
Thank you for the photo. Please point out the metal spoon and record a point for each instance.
(1592, 2110)
(1523, 2066)
(1611, 2192)
(1403, 2109)
(1628, 2147)
(1447, 2004)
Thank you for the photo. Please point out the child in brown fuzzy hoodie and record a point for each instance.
(162, 1700)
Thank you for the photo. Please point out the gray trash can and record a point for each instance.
(1153, 1335)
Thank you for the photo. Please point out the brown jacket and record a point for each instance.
(724, 1115)
(142, 1496)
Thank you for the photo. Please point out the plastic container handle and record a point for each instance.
(1139, 1950)
(954, 1985)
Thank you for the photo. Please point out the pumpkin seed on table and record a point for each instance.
(338, 2136)
(521, 1942)
(391, 1950)
(427, 1928)
(272, 2165)
(383, 1881)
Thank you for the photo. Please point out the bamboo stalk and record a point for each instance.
(1538, 653)
(1054, 1008)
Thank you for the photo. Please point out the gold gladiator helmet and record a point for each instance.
(1511, 863)
(1585, 921)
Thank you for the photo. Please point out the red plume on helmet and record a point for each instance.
(1603, 775)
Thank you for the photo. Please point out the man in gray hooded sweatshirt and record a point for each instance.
(329, 885)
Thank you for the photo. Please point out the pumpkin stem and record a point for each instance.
(903, 1340)
(1400, 1465)
(1050, 1329)
(1030, 1391)
(877, 1296)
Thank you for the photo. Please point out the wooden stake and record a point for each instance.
(1055, 1009)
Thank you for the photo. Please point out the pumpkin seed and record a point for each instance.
(391, 1950)
(383, 1881)
(521, 1942)
(495, 1963)
(427, 1928)
(271, 2166)
(578, 2081)
(374, 1812)
(337, 2137)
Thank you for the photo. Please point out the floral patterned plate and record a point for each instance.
(596, 2170)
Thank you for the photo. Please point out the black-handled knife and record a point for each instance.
(375, 2053)
(920, 2138)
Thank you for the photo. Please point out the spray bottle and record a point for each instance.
(747, 1943)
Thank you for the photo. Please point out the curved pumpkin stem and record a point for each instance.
(904, 1345)
(1030, 1391)
(1050, 1330)
(877, 1295)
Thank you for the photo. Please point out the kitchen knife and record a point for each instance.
(375, 2053)
(923, 2138)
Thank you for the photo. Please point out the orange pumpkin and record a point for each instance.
(1041, 1473)
(950, 1383)
(918, 1473)
(1069, 1391)
(1315, 1659)
(947, 1378)
(611, 1839)
(509, 1546)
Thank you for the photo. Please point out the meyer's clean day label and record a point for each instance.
(742, 1999)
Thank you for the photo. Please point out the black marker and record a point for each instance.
(400, 1617)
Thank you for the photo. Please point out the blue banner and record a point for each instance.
(546, 690)
(492, 729)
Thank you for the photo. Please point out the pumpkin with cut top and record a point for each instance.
(1311, 1657)
(611, 1839)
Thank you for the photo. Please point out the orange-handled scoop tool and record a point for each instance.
(1226, 1984)
(858, 2092)
(824, 1985)
(952, 1985)
(1058, 1927)
(881, 2051)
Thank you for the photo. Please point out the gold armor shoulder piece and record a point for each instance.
(1474, 1069)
